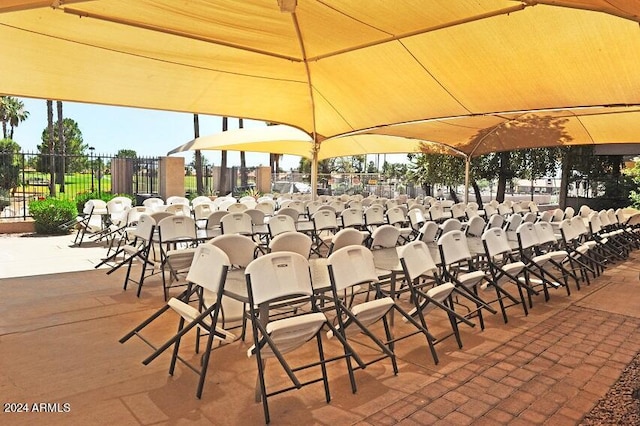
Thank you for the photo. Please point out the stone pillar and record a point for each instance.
(122, 176)
(171, 176)
(263, 179)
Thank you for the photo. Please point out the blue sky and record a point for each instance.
(148, 132)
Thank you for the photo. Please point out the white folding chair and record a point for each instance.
(272, 278)
(346, 237)
(206, 278)
(176, 238)
(291, 241)
(236, 223)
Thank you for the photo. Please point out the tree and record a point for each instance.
(127, 153)
(49, 138)
(63, 159)
(244, 175)
(9, 167)
(12, 113)
(73, 147)
(198, 157)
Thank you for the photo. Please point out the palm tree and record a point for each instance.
(62, 143)
(12, 113)
(52, 165)
(243, 161)
(198, 154)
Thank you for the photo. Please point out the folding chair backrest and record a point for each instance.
(418, 206)
(257, 216)
(200, 199)
(451, 225)
(504, 209)
(527, 236)
(226, 203)
(267, 206)
(513, 222)
(604, 218)
(395, 215)
(567, 230)
(144, 228)
(351, 217)
(545, 233)
(134, 213)
(417, 259)
(416, 218)
(595, 225)
(436, 212)
(374, 215)
(208, 267)
(296, 242)
(476, 226)
(338, 206)
(177, 200)
(495, 242)
(613, 217)
(328, 208)
(237, 208)
(281, 223)
(178, 209)
(176, 228)
(239, 249)
(584, 211)
(429, 232)
(385, 236)
(279, 275)
(236, 223)
(578, 224)
(558, 215)
(298, 205)
(325, 220)
(453, 247)
(546, 216)
(569, 212)
(213, 220)
(347, 237)
(530, 217)
(350, 266)
(495, 221)
(202, 210)
(533, 207)
(490, 210)
(458, 211)
(158, 216)
(153, 202)
(354, 204)
(312, 207)
(95, 207)
(517, 208)
(291, 212)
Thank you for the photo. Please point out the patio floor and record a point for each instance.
(59, 344)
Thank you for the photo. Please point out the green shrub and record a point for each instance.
(50, 213)
(5, 198)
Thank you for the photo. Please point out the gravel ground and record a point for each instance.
(621, 405)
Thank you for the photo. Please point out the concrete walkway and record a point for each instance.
(59, 345)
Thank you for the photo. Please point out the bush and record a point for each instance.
(50, 213)
(5, 198)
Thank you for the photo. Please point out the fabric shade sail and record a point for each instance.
(474, 76)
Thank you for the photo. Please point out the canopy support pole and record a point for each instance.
(467, 172)
(314, 168)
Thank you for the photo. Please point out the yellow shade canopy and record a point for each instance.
(477, 76)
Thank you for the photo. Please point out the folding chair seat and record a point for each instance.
(353, 266)
(272, 278)
(541, 263)
(577, 250)
(373, 218)
(428, 293)
(458, 267)
(505, 269)
(397, 217)
(199, 307)
(291, 241)
(176, 239)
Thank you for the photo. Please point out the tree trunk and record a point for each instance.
(222, 182)
(196, 134)
(244, 178)
(52, 158)
(476, 190)
(502, 176)
(453, 195)
(63, 147)
(564, 181)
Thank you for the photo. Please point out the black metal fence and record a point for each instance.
(28, 176)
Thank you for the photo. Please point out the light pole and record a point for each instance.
(91, 149)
